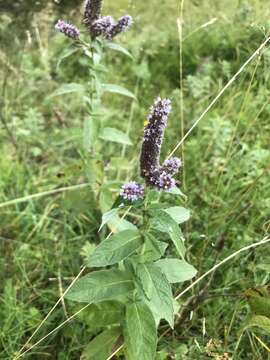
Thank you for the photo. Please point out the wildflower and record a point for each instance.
(92, 11)
(155, 175)
(161, 180)
(103, 26)
(132, 191)
(67, 29)
(172, 165)
(122, 25)
(153, 137)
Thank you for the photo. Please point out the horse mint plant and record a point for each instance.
(132, 264)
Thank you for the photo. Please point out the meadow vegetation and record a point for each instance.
(46, 143)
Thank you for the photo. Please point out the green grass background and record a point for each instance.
(226, 162)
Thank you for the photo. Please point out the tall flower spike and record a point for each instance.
(153, 137)
(67, 29)
(92, 11)
(122, 25)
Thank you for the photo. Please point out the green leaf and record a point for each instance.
(98, 316)
(89, 133)
(116, 248)
(178, 214)
(117, 90)
(259, 304)
(146, 280)
(176, 191)
(161, 302)
(68, 52)
(102, 346)
(100, 286)
(107, 217)
(176, 270)
(154, 249)
(259, 321)
(119, 48)
(117, 224)
(163, 222)
(115, 135)
(67, 89)
(140, 332)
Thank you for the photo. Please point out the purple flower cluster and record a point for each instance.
(108, 28)
(172, 165)
(121, 26)
(92, 11)
(67, 29)
(132, 191)
(154, 174)
(103, 26)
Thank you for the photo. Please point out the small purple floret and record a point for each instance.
(161, 180)
(132, 191)
(172, 165)
(67, 29)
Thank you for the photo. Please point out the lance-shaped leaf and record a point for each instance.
(102, 346)
(161, 301)
(107, 216)
(140, 332)
(100, 286)
(259, 301)
(119, 48)
(176, 270)
(67, 89)
(164, 222)
(146, 280)
(115, 135)
(116, 248)
(153, 248)
(112, 88)
(178, 213)
(259, 321)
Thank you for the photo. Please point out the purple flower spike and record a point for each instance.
(122, 25)
(172, 165)
(155, 175)
(132, 191)
(67, 29)
(103, 26)
(153, 137)
(92, 11)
